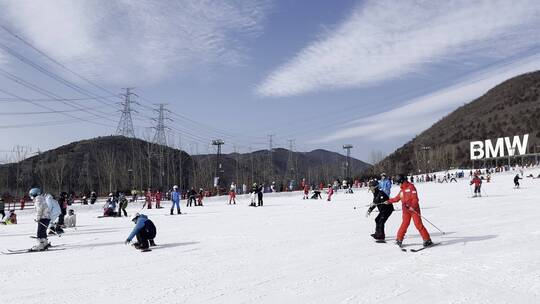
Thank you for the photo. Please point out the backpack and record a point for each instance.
(54, 207)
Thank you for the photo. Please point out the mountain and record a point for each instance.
(315, 166)
(511, 108)
(102, 164)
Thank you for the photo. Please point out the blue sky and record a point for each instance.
(323, 73)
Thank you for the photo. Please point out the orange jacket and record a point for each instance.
(408, 196)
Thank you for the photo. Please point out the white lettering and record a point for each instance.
(498, 151)
(517, 143)
(477, 150)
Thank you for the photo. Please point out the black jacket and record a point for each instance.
(379, 197)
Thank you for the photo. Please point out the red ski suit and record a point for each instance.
(409, 200)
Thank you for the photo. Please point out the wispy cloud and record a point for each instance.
(386, 39)
(121, 41)
(420, 113)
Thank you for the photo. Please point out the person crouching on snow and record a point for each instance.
(71, 219)
(144, 230)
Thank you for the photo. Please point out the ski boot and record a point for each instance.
(428, 243)
(152, 243)
(399, 243)
(172, 211)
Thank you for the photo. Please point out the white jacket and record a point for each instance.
(70, 220)
(54, 207)
(42, 209)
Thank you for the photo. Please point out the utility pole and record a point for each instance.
(347, 161)
(218, 143)
(125, 125)
(270, 157)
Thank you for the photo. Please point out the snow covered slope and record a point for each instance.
(292, 251)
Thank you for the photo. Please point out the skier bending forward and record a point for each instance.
(411, 209)
(144, 230)
(385, 210)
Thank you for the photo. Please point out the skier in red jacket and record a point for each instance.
(477, 185)
(411, 209)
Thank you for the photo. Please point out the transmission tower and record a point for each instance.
(290, 161)
(159, 137)
(125, 125)
(270, 157)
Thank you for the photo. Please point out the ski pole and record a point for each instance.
(484, 191)
(428, 221)
(47, 227)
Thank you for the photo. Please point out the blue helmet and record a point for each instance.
(34, 192)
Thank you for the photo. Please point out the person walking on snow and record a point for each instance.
(516, 181)
(385, 185)
(144, 230)
(477, 185)
(175, 198)
(232, 193)
(192, 195)
(148, 202)
(385, 210)
(411, 209)
(253, 195)
(200, 197)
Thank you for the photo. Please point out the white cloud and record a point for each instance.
(129, 41)
(422, 112)
(386, 39)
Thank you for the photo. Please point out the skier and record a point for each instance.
(2, 208)
(110, 206)
(62, 202)
(175, 198)
(122, 204)
(71, 219)
(316, 194)
(477, 185)
(260, 191)
(148, 202)
(192, 195)
(411, 209)
(516, 181)
(54, 214)
(385, 210)
(200, 197)
(385, 185)
(93, 198)
(330, 192)
(306, 192)
(253, 194)
(11, 219)
(158, 199)
(232, 193)
(144, 230)
(42, 218)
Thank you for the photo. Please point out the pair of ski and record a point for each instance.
(413, 249)
(21, 251)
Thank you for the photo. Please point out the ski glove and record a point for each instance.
(127, 242)
(368, 212)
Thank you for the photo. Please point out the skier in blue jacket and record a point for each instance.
(385, 184)
(175, 198)
(144, 230)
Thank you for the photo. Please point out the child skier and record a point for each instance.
(477, 185)
(330, 192)
(43, 219)
(516, 181)
(70, 219)
(385, 210)
(385, 185)
(144, 230)
(158, 199)
(253, 195)
(110, 206)
(200, 197)
(306, 192)
(122, 204)
(411, 209)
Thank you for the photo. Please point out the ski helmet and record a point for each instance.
(175, 187)
(383, 174)
(34, 192)
(110, 194)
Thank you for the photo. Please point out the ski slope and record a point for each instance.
(292, 251)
